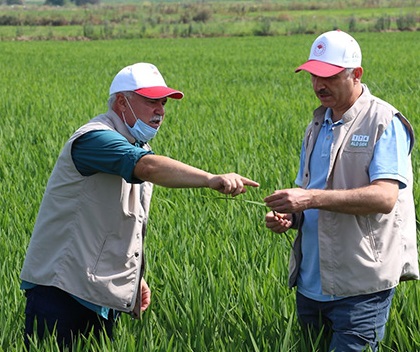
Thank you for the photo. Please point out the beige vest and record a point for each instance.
(88, 237)
(361, 254)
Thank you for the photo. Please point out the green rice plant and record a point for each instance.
(218, 276)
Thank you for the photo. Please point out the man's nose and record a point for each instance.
(318, 82)
(160, 109)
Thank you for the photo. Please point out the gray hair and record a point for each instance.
(349, 71)
(113, 97)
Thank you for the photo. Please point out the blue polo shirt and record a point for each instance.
(108, 152)
(389, 162)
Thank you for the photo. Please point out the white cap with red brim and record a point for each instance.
(331, 53)
(144, 79)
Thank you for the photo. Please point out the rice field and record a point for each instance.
(218, 276)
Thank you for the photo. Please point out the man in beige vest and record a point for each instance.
(84, 264)
(354, 208)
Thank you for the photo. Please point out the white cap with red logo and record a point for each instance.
(331, 53)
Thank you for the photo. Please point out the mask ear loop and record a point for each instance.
(122, 112)
(129, 105)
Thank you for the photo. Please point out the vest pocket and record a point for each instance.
(371, 239)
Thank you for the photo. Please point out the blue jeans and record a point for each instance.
(349, 324)
(53, 308)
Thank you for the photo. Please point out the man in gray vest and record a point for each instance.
(354, 207)
(84, 264)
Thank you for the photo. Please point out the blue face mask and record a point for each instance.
(141, 131)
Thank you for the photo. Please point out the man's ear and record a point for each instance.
(121, 101)
(358, 73)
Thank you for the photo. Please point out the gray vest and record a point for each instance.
(88, 237)
(361, 254)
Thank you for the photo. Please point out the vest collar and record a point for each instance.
(119, 125)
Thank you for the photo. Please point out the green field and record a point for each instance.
(218, 276)
(187, 19)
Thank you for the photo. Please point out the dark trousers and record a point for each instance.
(49, 308)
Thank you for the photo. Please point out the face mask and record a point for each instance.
(141, 131)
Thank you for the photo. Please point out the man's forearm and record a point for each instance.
(376, 198)
(171, 173)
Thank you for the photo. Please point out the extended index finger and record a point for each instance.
(249, 182)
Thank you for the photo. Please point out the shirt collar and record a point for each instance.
(328, 118)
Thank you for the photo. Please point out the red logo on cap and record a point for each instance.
(319, 49)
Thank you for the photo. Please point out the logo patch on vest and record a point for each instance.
(359, 140)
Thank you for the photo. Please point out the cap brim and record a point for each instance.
(159, 93)
(320, 68)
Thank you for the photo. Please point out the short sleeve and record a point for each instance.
(391, 154)
(106, 151)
